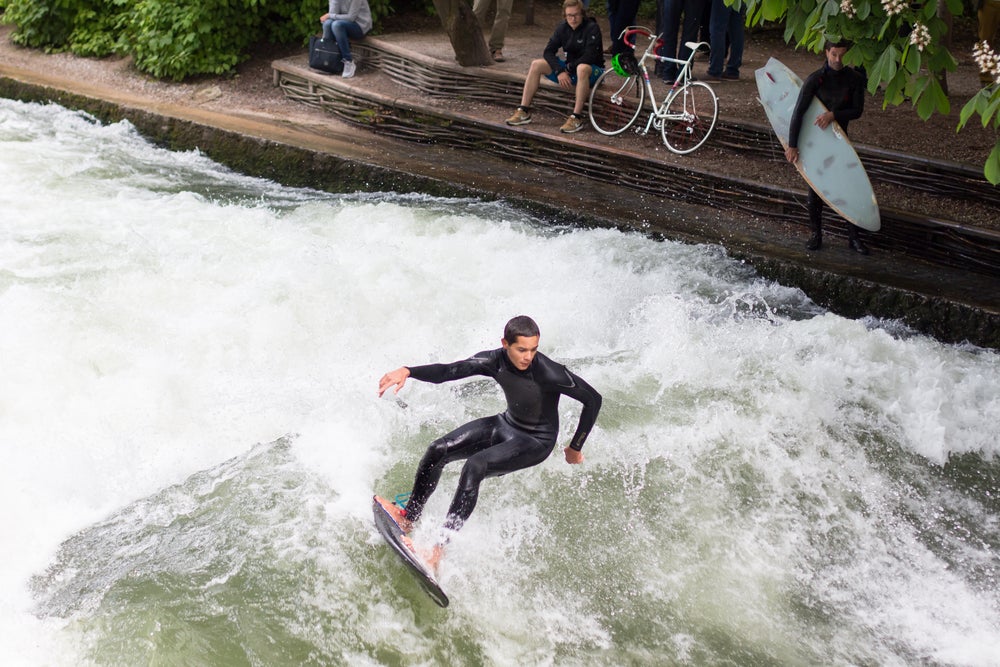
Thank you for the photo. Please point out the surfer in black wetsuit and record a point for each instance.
(842, 90)
(522, 436)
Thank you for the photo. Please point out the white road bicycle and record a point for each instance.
(688, 113)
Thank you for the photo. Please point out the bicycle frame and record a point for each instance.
(658, 112)
(685, 117)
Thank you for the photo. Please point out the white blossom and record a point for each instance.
(847, 8)
(921, 36)
(987, 60)
(893, 7)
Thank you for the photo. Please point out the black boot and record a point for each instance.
(854, 241)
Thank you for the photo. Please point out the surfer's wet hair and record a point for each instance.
(522, 325)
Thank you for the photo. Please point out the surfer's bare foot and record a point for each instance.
(433, 557)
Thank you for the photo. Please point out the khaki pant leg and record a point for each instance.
(499, 32)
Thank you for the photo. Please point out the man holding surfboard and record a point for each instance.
(842, 90)
(522, 436)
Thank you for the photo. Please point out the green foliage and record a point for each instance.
(40, 25)
(901, 45)
(167, 39)
(986, 104)
(176, 39)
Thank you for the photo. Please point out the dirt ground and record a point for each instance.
(250, 91)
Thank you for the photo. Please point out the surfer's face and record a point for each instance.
(522, 351)
(835, 57)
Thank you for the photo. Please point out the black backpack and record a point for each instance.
(324, 55)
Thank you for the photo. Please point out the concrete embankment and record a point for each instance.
(951, 305)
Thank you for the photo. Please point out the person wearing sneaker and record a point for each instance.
(842, 90)
(346, 20)
(579, 38)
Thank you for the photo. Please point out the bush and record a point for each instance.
(172, 39)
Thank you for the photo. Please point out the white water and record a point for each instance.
(768, 484)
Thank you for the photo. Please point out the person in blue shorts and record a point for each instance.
(522, 436)
(579, 38)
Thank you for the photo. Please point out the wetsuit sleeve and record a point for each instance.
(438, 373)
(805, 99)
(581, 391)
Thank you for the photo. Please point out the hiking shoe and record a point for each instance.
(573, 124)
(498, 56)
(521, 117)
(349, 69)
(731, 76)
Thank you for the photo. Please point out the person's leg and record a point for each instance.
(500, 23)
(515, 450)
(624, 17)
(327, 32)
(671, 24)
(815, 206)
(536, 71)
(461, 443)
(582, 88)
(719, 24)
(343, 32)
(737, 20)
(704, 21)
(689, 32)
(613, 28)
(854, 241)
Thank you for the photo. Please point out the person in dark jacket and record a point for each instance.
(842, 90)
(579, 38)
(522, 436)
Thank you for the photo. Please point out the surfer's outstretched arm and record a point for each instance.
(396, 378)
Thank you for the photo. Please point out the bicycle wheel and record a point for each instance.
(615, 102)
(694, 110)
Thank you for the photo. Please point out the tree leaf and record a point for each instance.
(992, 167)
(975, 105)
(911, 59)
(884, 68)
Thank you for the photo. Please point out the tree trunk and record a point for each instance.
(465, 33)
(945, 15)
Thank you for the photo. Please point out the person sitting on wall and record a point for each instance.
(580, 39)
(346, 20)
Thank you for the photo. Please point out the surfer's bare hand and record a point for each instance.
(573, 456)
(824, 119)
(792, 154)
(396, 378)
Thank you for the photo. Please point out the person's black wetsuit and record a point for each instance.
(842, 92)
(521, 437)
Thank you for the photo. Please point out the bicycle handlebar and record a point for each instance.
(644, 32)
